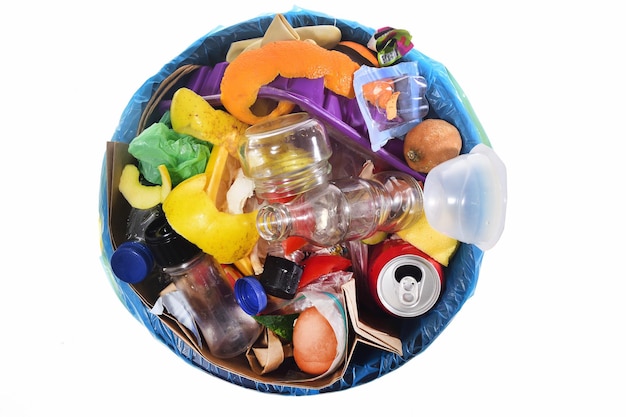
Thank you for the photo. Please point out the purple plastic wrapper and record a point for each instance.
(341, 116)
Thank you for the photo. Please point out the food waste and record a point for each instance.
(214, 205)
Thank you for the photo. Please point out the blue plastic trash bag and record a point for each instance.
(446, 101)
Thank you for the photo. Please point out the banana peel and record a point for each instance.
(192, 211)
(192, 115)
(433, 243)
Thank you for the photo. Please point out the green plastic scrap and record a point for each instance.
(183, 155)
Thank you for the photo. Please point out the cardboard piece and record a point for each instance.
(268, 353)
(380, 335)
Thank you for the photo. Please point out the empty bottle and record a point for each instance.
(345, 210)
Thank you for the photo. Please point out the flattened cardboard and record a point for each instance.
(119, 209)
(381, 337)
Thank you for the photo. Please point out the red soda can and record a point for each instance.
(402, 280)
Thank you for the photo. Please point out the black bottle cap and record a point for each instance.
(280, 277)
(168, 247)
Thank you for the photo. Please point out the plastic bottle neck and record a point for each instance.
(274, 222)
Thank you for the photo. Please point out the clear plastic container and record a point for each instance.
(286, 156)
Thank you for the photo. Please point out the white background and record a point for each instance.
(544, 332)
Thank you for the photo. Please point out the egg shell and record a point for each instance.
(314, 342)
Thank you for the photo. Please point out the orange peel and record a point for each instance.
(252, 69)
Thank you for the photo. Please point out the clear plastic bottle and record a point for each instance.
(226, 328)
(345, 210)
(132, 261)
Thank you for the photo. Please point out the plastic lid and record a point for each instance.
(280, 277)
(132, 262)
(250, 295)
(465, 197)
(168, 247)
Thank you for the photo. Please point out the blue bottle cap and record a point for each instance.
(132, 262)
(250, 295)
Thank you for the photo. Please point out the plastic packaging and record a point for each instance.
(286, 156)
(183, 155)
(280, 276)
(226, 328)
(406, 107)
(345, 210)
(390, 45)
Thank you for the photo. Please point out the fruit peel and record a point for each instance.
(252, 69)
(137, 194)
(192, 115)
(190, 211)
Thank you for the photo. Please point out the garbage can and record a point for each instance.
(446, 101)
